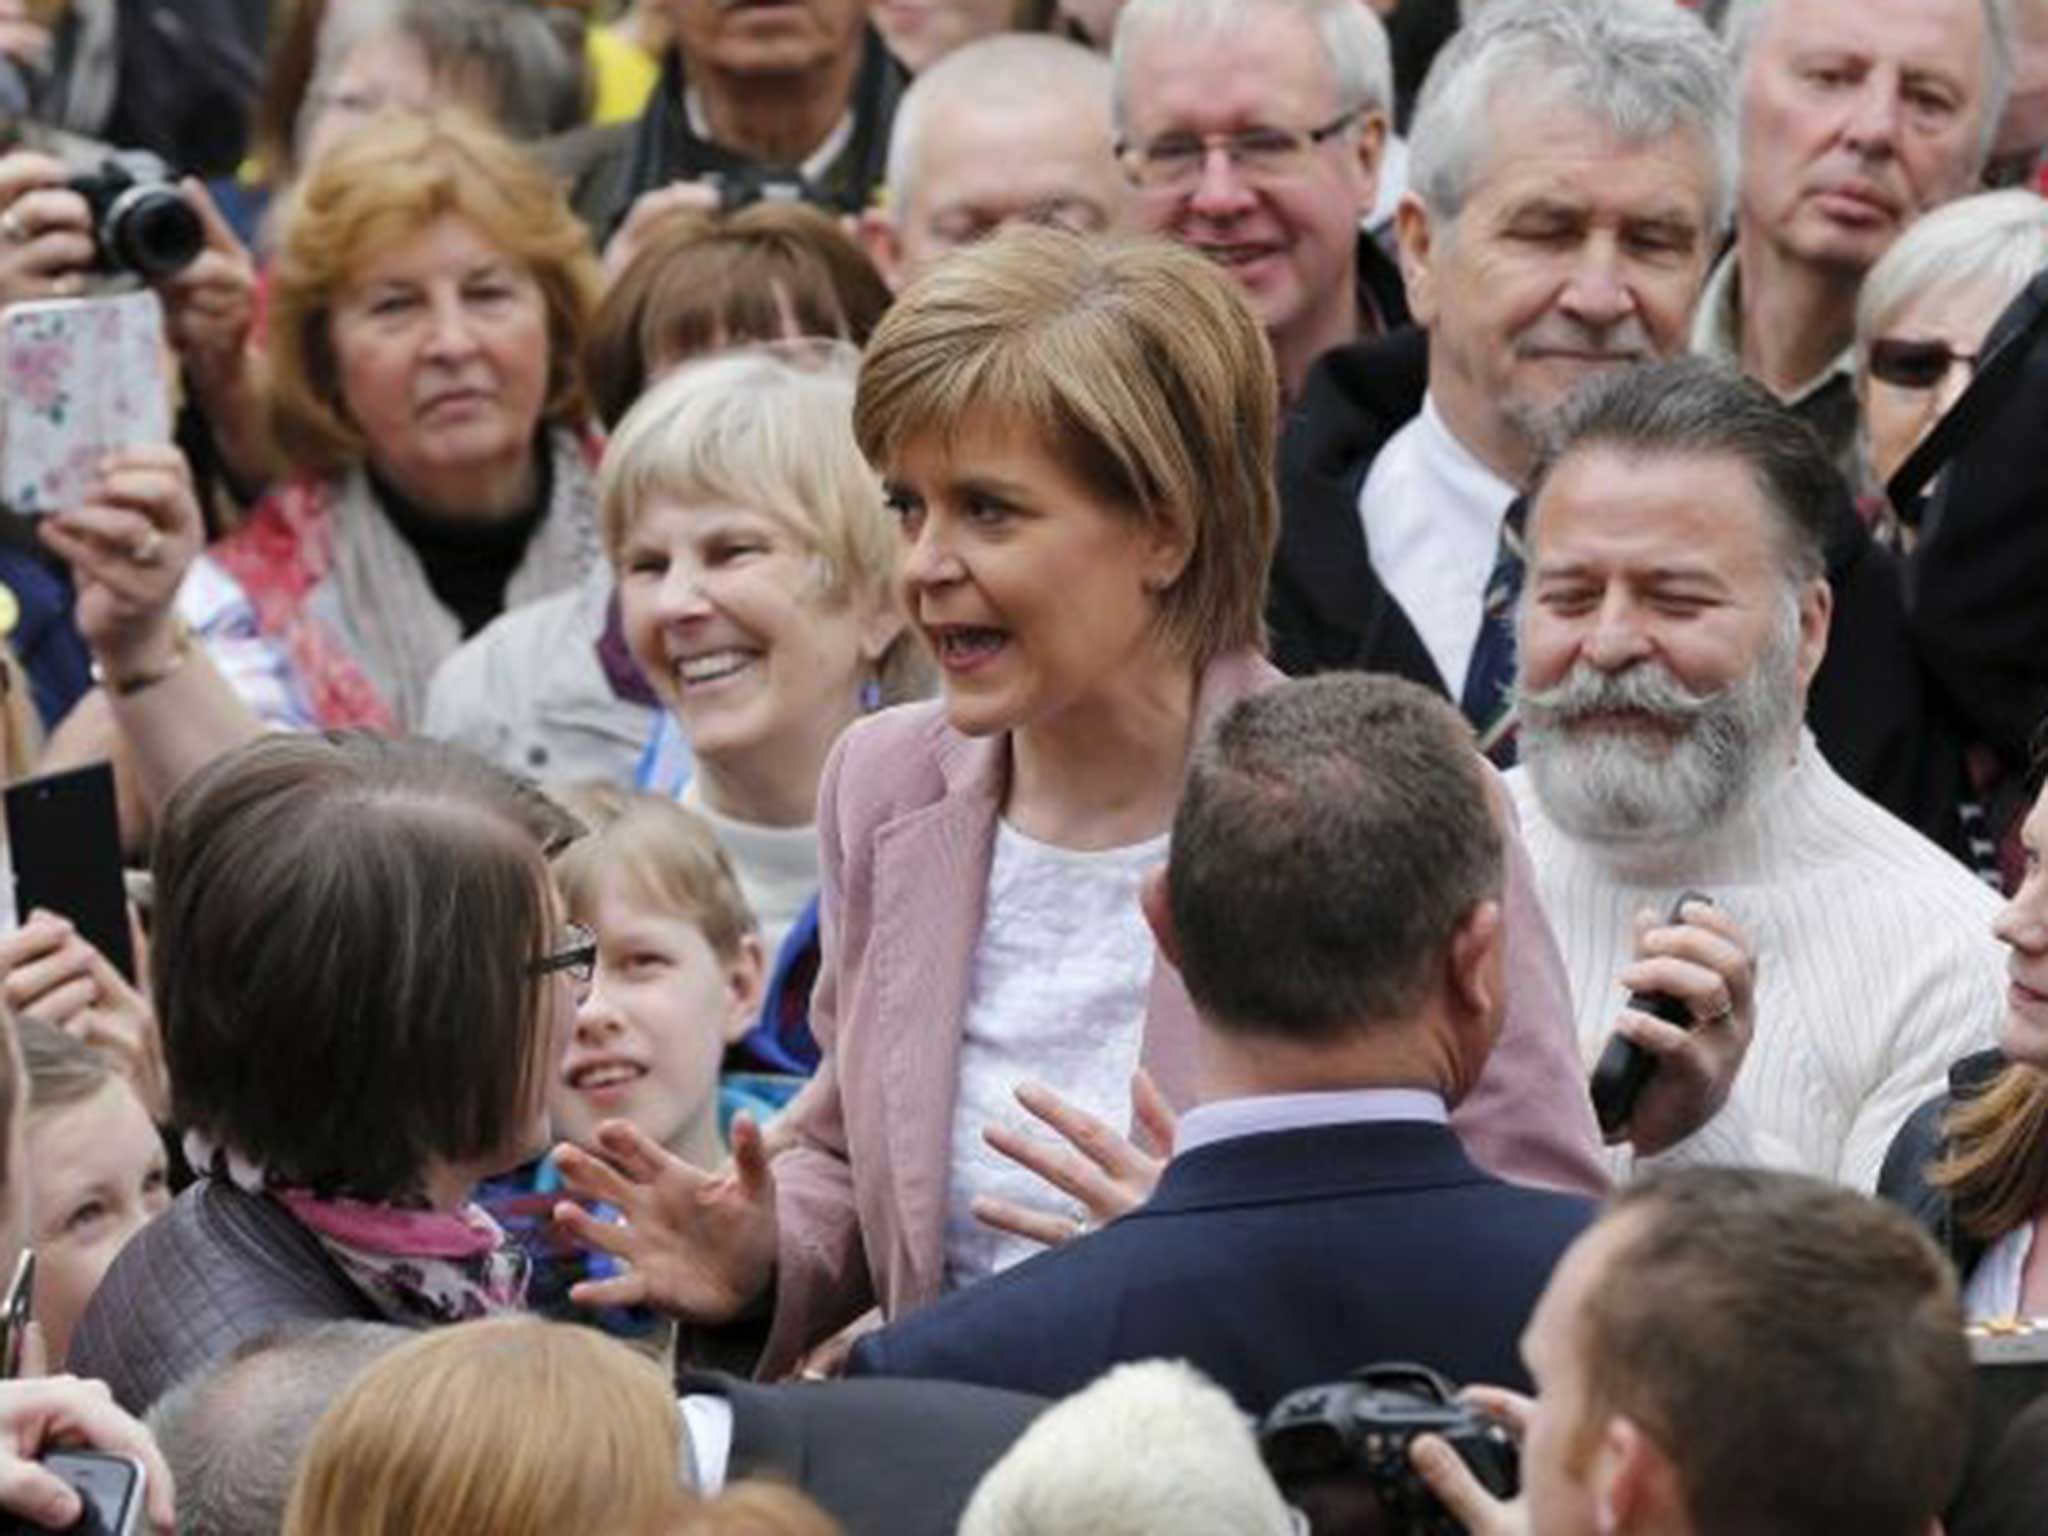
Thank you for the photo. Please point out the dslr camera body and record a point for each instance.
(141, 223)
(1361, 1427)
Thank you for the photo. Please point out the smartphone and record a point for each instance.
(113, 1490)
(79, 378)
(16, 1313)
(65, 839)
(1624, 1067)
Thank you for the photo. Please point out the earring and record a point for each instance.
(871, 696)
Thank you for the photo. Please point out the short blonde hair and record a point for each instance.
(507, 1427)
(668, 857)
(384, 184)
(1998, 239)
(1138, 364)
(767, 432)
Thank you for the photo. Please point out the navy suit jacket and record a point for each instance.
(1270, 1262)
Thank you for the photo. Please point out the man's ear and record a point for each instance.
(1158, 910)
(1635, 1485)
(1421, 247)
(1371, 150)
(884, 245)
(1816, 612)
(746, 979)
(1474, 972)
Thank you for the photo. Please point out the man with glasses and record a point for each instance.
(1253, 131)
(1569, 166)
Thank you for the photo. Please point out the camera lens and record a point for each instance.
(153, 232)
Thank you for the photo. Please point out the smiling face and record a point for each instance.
(2023, 927)
(767, 37)
(1575, 252)
(1896, 418)
(1290, 240)
(98, 1176)
(442, 348)
(1661, 666)
(727, 611)
(1857, 117)
(1035, 594)
(654, 1023)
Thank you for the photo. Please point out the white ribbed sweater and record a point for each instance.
(1876, 967)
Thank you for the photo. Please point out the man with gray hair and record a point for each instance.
(1675, 613)
(233, 1433)
(1857, 116)
(956, 173)
(1254, 132)
(1570, 165)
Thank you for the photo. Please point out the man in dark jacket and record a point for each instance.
(802, 92)
(1296, 99)
(1318, 1213)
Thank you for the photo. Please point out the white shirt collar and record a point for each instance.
(1259, 1114)
(812, 169)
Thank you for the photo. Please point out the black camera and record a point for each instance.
(750, 185)
(141, 223)
(1360, 1428)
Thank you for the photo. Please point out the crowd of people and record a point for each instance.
(1027, 766)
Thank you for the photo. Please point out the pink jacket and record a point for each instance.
(906, 817)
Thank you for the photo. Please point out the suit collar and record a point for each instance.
(1323, 1161)
(765, 1441)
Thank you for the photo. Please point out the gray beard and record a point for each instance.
(1624, 789)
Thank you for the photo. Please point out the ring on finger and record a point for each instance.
(12, 229)
(1720, 1015)
(149, 549)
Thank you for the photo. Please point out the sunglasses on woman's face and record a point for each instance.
(1908, 364)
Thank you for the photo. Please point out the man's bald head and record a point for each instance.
(958, 169)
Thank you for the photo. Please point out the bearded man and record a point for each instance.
(1676, 612)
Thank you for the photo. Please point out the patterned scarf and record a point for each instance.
(419, 1266)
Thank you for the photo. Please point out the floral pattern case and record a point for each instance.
(78, 379)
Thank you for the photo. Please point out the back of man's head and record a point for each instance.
(1794, 1348)
(1333, 837)
(1150, 1449)
(233, 1434)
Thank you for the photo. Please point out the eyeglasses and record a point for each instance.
(1910, 364)
(578, 957)
(1173, 162)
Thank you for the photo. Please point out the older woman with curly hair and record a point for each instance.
(431, 295)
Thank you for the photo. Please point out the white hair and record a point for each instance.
(1014, 68)
(1151, 1449)
(1355, 42)
(1646, 68)
(1995, 238)
(1739, 27)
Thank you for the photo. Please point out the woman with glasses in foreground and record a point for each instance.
(363, 981)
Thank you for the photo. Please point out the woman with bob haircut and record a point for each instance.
(511, 1427)
(1973, 1164)
(549, 688)
(363, 982)
(1077, 439)
(429, 303)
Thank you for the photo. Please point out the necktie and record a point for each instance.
(1488, 698)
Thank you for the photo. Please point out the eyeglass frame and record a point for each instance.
(578, 958)
(1927, 346)
(1129, 154)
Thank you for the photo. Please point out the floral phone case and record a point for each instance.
(78, 379)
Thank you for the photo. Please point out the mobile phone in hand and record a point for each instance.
(17, 1313)
(113, 1490)
(1624, 1067)
(64, 839)
(79, 378)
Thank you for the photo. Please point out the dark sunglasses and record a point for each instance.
(1908, 364)
(578, 957)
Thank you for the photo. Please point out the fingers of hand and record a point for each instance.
(1664, 1041)
(627, 1290)
(613, 1237)
(751, 1158)
(1091, 1137)
(1022, 1221)
(35, 980)
(35, 1495)
(1704, 991)
(1063, 1170)
(638, 1156)
(592, 1178)
(43, 934)
(1152, 1115)
(1512, 1409)
(1452, 1482)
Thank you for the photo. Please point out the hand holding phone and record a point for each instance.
(1675, 1054)
(79, 379)
(70, 1459)
(111, 1490)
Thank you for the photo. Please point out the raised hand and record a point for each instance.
(1707, 963)
(698, 1245)
(48, 971)
(1106, 1172)
(1445, 1472)
(129, 546)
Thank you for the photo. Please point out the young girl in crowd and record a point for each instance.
(676, 988)
(98, 1173)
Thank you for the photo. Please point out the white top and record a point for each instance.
(707, 1435)
(1432, 514)
(1875, 962)
(1057, 995)
(777, 867)
(1992, 1293)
